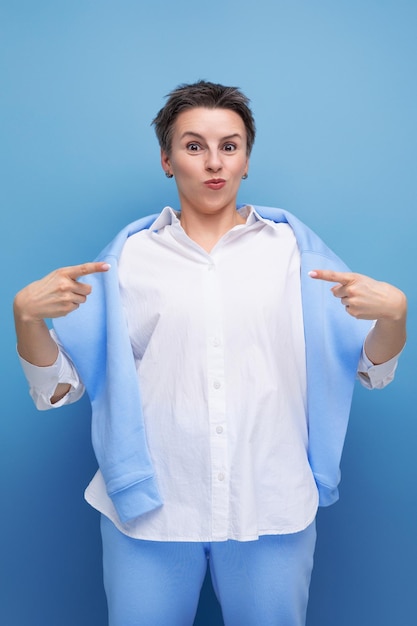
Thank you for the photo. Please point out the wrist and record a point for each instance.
(22, 312)
(399, 311)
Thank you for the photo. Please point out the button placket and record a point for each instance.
(216, 404)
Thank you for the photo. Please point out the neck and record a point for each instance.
(207, 229)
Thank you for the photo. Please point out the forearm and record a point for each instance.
(387, 338)
(34, 342)
(35, 345)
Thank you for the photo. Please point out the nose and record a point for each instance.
(213, 160)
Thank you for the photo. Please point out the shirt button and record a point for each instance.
(217, 384)
(216, 342)
(221, 476)
(219, 430)
(210, 268)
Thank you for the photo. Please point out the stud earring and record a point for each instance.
(169, 175)
(244, 177)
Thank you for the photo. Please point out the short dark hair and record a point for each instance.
(202, 94)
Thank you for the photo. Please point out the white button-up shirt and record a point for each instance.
(220, 357)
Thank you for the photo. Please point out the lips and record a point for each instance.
(215, 183)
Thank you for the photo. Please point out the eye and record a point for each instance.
(193, 146)
(229, 147)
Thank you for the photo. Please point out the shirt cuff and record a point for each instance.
(376, 376)
(44, 380)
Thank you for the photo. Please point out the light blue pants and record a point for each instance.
(153, 583)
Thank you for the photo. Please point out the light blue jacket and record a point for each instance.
(96, 338)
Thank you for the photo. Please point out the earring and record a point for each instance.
(244, 177)
(169, 175)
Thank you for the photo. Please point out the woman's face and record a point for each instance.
(208, 159)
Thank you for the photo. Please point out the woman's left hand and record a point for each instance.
(364, 297)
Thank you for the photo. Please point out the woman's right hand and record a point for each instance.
(57, 294)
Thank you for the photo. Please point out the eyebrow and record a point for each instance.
(198, 136)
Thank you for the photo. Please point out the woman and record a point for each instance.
(220, 368)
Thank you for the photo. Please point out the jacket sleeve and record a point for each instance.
(97, 341)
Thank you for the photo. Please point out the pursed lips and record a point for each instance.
(215, 183)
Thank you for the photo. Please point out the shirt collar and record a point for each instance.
(169, 217)
(166, 217)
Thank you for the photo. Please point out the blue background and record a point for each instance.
(333, 89)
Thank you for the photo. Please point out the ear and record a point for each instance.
(165, 162)
(247, 166)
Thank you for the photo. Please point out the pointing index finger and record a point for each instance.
(332, 277)
(76, 271)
